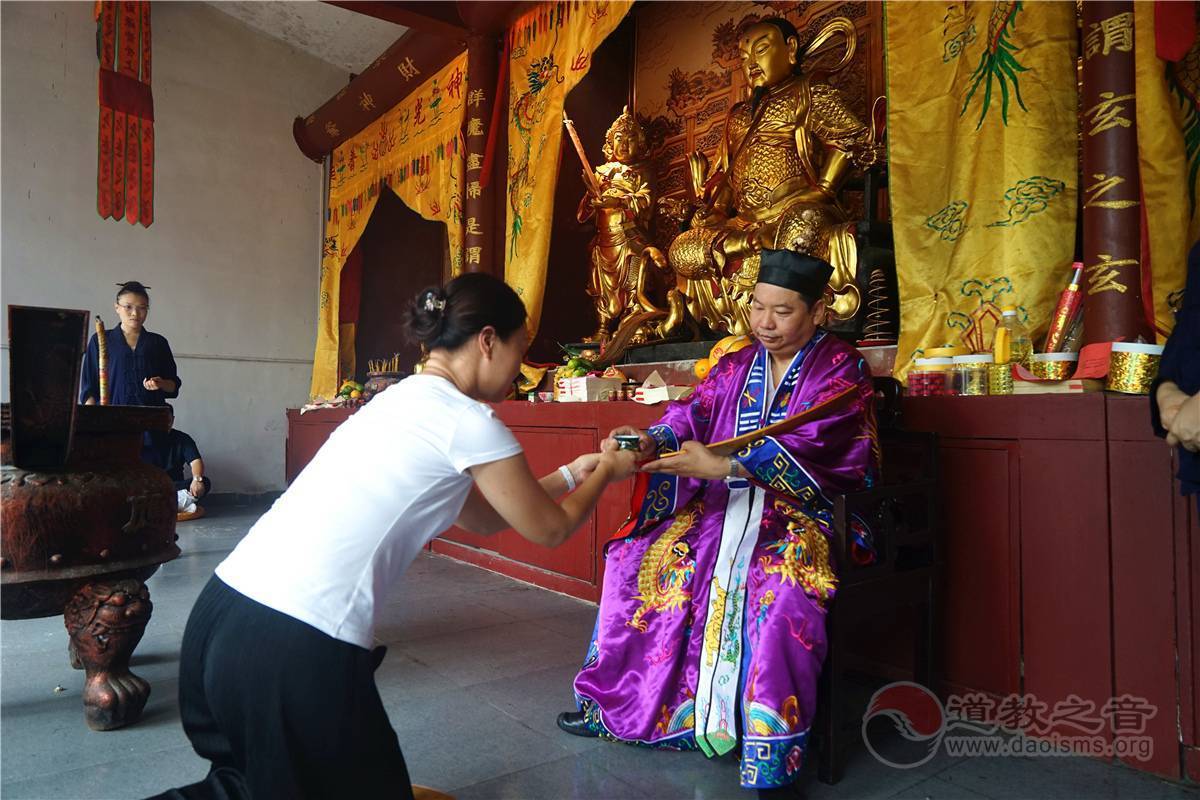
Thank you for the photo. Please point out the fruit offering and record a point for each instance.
(578, 363)
(351, 391)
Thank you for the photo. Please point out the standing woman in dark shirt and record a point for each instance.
(141, 369)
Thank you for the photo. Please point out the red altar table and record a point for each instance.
(1072, 566)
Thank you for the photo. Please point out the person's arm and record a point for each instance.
(166, 379)
(697, 461)
(520, 502)
(1180, 353)
(197, 467)
(479, 517)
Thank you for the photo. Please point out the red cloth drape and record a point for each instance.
(350, 287)
(125, 161)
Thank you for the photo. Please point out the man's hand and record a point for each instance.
(694, 461)
(157, 384)
(1184, 428)
(647, 447)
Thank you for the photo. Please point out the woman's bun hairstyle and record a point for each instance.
(448, 316)
(133, 287)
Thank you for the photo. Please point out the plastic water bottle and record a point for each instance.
(1019, 342)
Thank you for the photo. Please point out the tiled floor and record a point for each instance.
(478, 667)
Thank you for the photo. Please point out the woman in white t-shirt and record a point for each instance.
(277, 666)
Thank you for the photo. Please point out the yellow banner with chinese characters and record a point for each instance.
(551, 50)
(414, 150)
(982, 165)
(1168, 125)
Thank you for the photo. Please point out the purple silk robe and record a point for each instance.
(711, 627)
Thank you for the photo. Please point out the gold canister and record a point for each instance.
(1000, 380)
(1053, 366)
(1132, 367)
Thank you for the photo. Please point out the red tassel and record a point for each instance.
(133, 163)
(640, 484)
(120, 128)
(104, 188)
(145, 8)
(147, 214)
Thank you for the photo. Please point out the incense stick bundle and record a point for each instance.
(102, 345)
(378, 365)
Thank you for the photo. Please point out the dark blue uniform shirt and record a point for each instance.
(1181, 364)
(170, 450)
(128, 368)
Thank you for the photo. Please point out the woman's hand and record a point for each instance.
(1169, 397)
(158, 384)
(619, 463)
(693, 461)
(582, 467)
(1184, 427)
(647, 447)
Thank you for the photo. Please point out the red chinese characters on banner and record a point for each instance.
(125, 158)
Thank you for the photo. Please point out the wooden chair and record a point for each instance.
(902, 513)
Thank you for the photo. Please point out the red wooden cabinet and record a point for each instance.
(306, 433)
(1071, 561)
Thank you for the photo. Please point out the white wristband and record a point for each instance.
(568, 477)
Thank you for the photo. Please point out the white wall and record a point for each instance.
(232, 255)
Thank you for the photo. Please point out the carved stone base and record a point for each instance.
(105, 621)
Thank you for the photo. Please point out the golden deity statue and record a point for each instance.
(785, 154)
(620, 199)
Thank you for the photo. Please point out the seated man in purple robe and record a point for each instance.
(711, 627)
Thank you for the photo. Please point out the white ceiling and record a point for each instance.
(346, 39)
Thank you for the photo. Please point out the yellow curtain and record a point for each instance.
(551, 50)
(416, 151)
(1168, 126)
(982, 140)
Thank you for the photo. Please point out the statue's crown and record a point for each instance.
(627, 124)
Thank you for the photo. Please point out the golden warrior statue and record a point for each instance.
(622, 203)
(784, 155)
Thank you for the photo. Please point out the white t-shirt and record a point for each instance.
(389, 479)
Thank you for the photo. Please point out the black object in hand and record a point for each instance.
(628, 441)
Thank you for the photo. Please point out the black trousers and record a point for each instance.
(281, 709)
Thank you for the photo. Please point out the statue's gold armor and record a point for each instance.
(774, 185)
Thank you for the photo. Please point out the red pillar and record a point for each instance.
(480, 252)
(1112, 210)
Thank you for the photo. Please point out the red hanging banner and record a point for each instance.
(125, 158)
